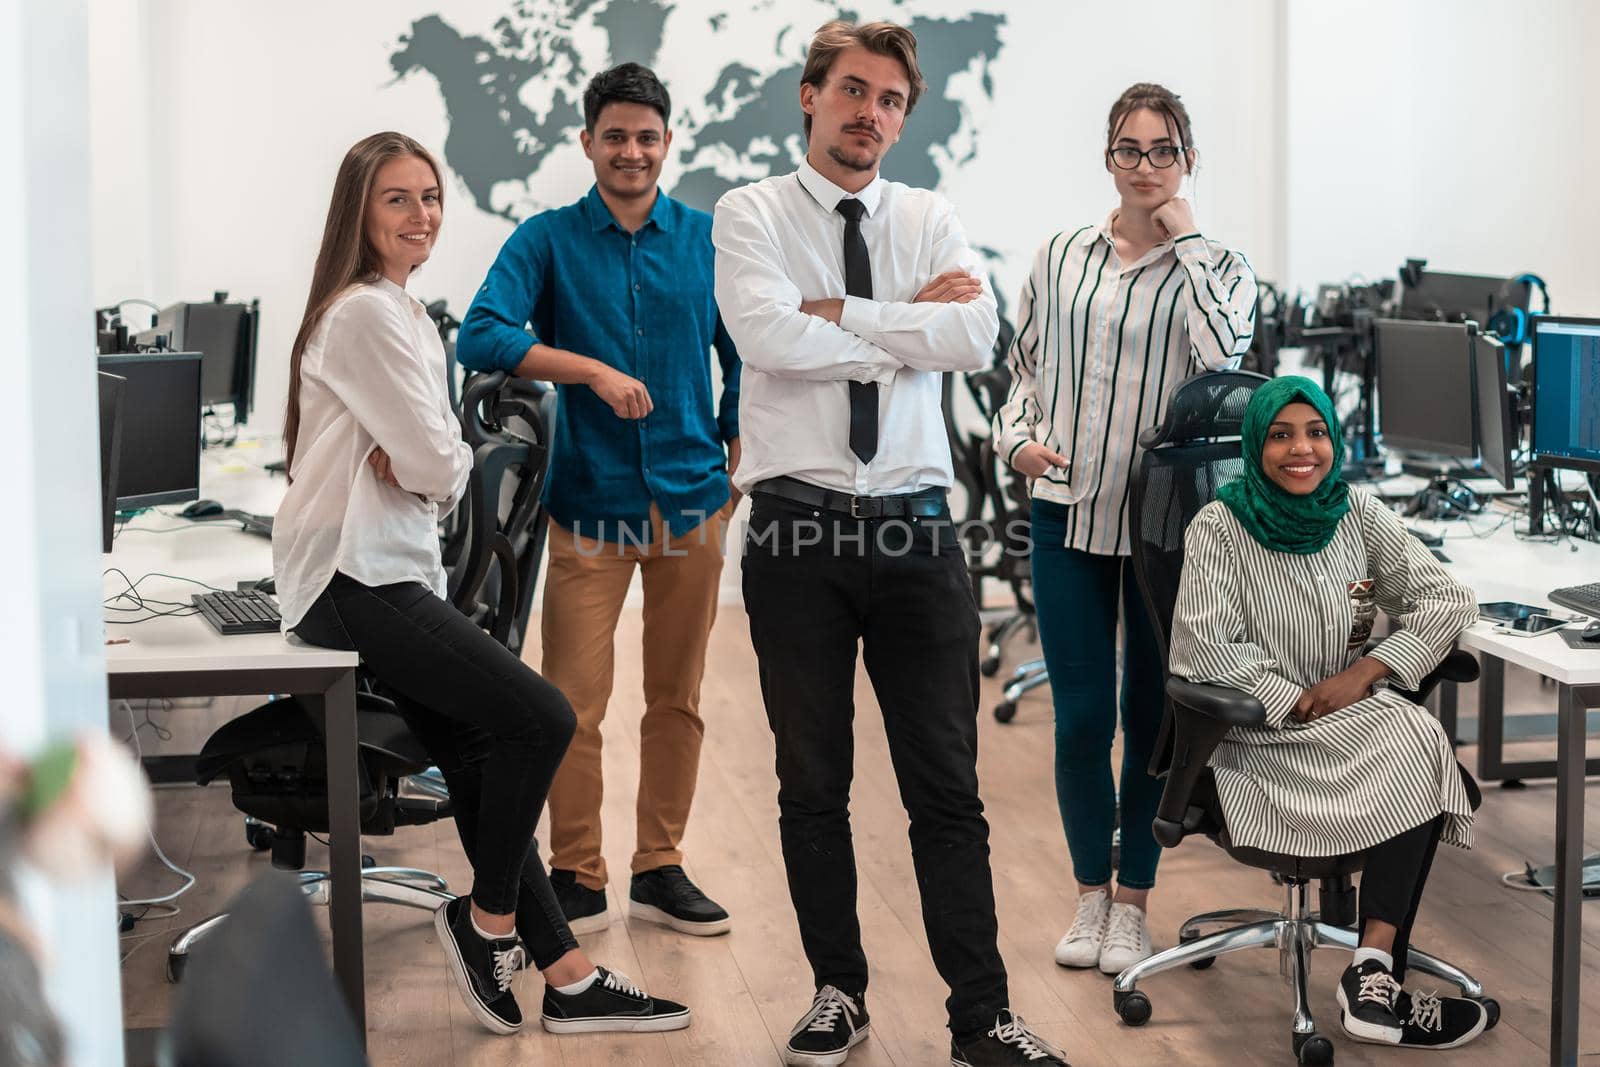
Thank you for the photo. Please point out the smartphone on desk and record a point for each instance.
(1505, 610)
(1531, 625)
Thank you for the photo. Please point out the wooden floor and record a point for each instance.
(747, 988)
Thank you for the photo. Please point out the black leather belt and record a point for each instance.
(927, 504)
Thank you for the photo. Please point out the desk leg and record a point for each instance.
(344, 838)
(1491, 718)
(1567, 954)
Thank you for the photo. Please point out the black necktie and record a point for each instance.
(858, 282)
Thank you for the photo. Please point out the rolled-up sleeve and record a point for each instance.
(496, 335)
(1219, 303)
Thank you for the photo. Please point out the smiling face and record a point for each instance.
(627, 147)
(857, 111)
(403, 216)
(1298, 452)
(1146, 186)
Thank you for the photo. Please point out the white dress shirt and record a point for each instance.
(779, 242)
(371, 376)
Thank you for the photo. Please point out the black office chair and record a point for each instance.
(274, 757)
(1185, 460)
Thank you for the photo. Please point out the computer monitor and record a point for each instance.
(1566, 393)
(1497, 426)
(1440, 297)
(160, 462)
(111, 389)
(1425, 401)
(224, 334)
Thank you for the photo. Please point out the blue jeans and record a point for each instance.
(1077, 596)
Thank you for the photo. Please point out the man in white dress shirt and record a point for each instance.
(847, 296)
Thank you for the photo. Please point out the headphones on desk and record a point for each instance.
(1513, 325)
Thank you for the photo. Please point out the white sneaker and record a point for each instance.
(1127, 939)
(1080, 946)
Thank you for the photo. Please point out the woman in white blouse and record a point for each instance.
(1111, 318)
(375, 460)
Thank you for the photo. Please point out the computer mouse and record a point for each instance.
(267, 585)
(201, 509)
(1591, 632)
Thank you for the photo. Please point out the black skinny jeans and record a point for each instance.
(1392, 880)
(817, 586)
(494, 727)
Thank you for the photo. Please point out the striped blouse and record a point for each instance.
(1099, 345)
(1275, 624)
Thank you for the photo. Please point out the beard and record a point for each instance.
(860, 161)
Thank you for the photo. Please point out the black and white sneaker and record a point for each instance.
(482, 967)
(825, 1034)
(1431, 1021)
(611, 1003)
(1009, 1041)
(585, 908)
(1367, 994)
(666, 896)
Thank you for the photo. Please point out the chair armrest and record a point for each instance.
(1459, 666)
(1202, 715)
(1234, 707)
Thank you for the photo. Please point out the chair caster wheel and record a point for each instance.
(367, 862)
(1314, 1050)
(258, 835)
(1491, 1008)
(1199, 965)
(1133, 1006)
(989, 666)
(1005, 711)
(175, 965)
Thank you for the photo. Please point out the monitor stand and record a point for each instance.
(1444, 497)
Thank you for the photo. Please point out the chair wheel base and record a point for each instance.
(1133, 1006)
(258, 836)
(1491, 1008)
(1198, 965)
(1005, 711)
(989, 666)
(1313, 1049)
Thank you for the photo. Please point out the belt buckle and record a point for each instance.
(855, 507)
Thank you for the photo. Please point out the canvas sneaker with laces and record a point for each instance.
(483, 967)
(1367, 994)
(834, 1024)
(1428, 1020)
(1127, 939)
(1080, 945)
(611, 1003)
(1008, 1042)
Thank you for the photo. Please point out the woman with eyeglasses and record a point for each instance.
(1111, 318)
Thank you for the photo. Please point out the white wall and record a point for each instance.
(1460, 131)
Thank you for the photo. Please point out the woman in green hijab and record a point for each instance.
(1283, 578)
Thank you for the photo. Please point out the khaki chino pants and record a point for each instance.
(585, 586)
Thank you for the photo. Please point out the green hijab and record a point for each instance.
(1280, 520)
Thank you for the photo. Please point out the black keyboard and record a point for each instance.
(260, 525)
(249, 612)
(1584, 598)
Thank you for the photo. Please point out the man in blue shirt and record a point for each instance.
(616, 291)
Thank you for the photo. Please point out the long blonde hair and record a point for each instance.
(346, 256)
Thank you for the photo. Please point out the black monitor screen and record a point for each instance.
(160, 428)
(1459, 297)
(1497, 431)
(216, 331)
(1425, 387)
(1566, 393)
(111, 388)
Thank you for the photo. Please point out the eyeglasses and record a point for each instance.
(1161, 156)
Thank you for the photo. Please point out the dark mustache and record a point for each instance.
(868, 130)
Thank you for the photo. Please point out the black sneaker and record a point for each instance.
(482, 967)
(1008, 1041)
(1367, 994)
(824, 1036)
(666, 896)
(1430, 1021)
(612, 1002)
(584, 908)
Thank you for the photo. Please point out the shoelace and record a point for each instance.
(680, 887)
(507, 962)
(825, 1010)
(1427, 1011)
(621, 983)
(1090, 919)
(1380, 988)
(1124, 928)
(1015, 1032)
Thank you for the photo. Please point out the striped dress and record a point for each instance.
(1099, 344)
(1275, 624)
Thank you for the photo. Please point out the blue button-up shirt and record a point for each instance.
(642, 303)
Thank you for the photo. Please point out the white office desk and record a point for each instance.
(184, 656)
(1503, 567)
